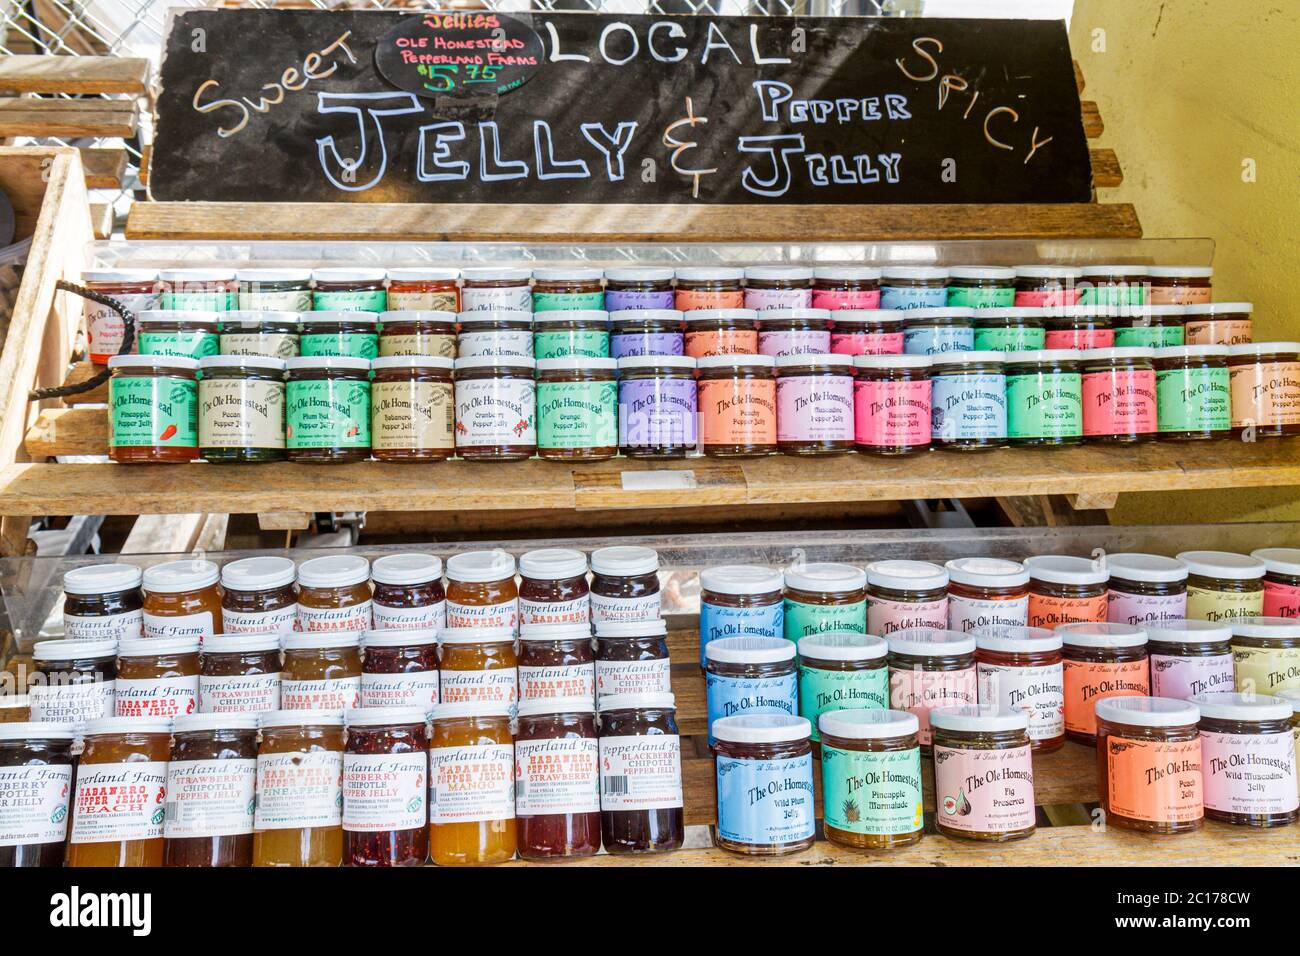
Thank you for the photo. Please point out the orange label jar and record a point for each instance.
(1101, 661)
(182, 599)
(720, 332)
(1218, 323)
(321, 671)
(1149, 764)
(709, 287)
(1179, 285)
(425, 290)
(471, 784)
(481, 590)
(334, 594)
(157, 677)
(737, 405)
(1264, 387)
(299, 814)
(1064, 590)
(479, 664)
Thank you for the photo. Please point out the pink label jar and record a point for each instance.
(1145, 587)
(1119, 394)
(867, 331)
(846, 287)
(778, 287)
(1189, 657)
(1281, 581)
(1047, 286)
(794, 332)
(906, 594)
(1248, 759)
(891, 404)
(814, 404)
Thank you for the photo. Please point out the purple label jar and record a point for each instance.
(638, 288)
(656, 406)
(645, 332)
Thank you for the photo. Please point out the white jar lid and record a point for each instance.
(571, 273)
(826, 578)
(150, 316)
(319, 640)
(941, 312)
(479, 567)
(930, 642)
(1226, 705)
(1042, 356)
(749, 650)
(735, 361)
(1223, 564)
(640, 274)
(119, 275)
(1048, 272)
(496, 274)
(892, 361)
(265, 363)
(833, 362)
(1118, 353)
(709, 273)
(399, 637)
(334, 571)
(477, 635)
(384, 716)
(624, 560)
(176, 576)
(1260, 626)
(408, 568)
(1102, 634)
(127, 725)
(258, 574)
(881, 316)
(471, 708)
(1064, 569)
(655, 628)
(422, 274)
(761, 729)
(1147, 711)
(38, 729)
(906, 575)
(1262, 348)
(650, 701)
(1149, 568)
(153, 362)
(842, 646)
(102, 579)
(850, 273)
(987, 572)
(197, 275)
(207, 723)
(1146, 311)
(412, 362)
(555, 632)
(1220, 308)
(779, 273)
(741, 579)
(656, 361)
(712, 315)
(1276, 560)
(1290, 694)
(868, 724)
(240, 643)
(1180, 272)
(978, 719)
(494, 315)
(552, 564)
(557, 705)
(339, 315)
(273, 275)
(340, 363)
(157, 646)
(776, 315)
(1009, 639)
(914, 272)
(583, 363)
(495, 361)
(1115, 270)
(73, 649)
(1183, 631)
(348, 275)
(302, 718)
(981, 272)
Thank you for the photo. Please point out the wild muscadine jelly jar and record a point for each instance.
(765, 784)
(1149, 764)
(1248, 759)
(740, 600)
(1189, 657)
(1145, 588)
(1222, 586)
(871, 778)
(987, 592)
(983, 774)
(1101, 661)
(814, 404)
(1019, 668)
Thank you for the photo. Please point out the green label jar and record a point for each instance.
(565, 343)
(327, 405)
(1013, 338)
(981, 298)
(274, 290)
(577, 408)
(981, 287)
(195, 345)
(202, 290)
(871, 778)
(1044, 397)
(340, 333)
(841, 672)
(1192, 391)
(551, 301)
(824, 597)
(153, 406)
(349, 290)
(1148, 336)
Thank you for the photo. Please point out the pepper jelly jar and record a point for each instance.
(1113, 285)
(210, 290)
(1101, 661)
(1218, 323)
(778, 287)
(840, 288)
(567, 288)
(750, 675)
(274, 290)
(385, 787)
(740, 600)
(1077, 327)
(814, 404)
(638, 288)
(471, 785)
(327, 410)
(1222, 586)
(1189, 657)
(496, 289)
(641, 774)
(913, 287)
(825, 597)
(1065, 589)
(334, 594)
(556, 660)
(349, 290)
(765, 785)
(1193, 394)
(784, 332)
(423, 289)
(211, 780)
(968, 401)
(1281, 581)
(1180, 285)
(240, 673)
(1145, 588)
(102, 602)
(399, 669)
(657, 410)
(892, 404)
(559, 813)
(241, 408)
(624, 585)
(35, 783)
(417, 332)
(867, 332)
(299, 815)
(335, 333)
(1009, 330)
(1044, 398)
(182, 599)
(711, 332)
(321, 671)
(1019, 668)
(1248, 759)
(577, 408)
(987, 592)
(903, 594)
(412, 409)
(1264, 387)
(479, 663)
(1047, 286)
(983, 774)
(258, 596)
(481, 590)
(1149, 764)
(841, 672)
(269, 334)
(737, 405)
(553, 587)
(1151, 326)
(632, 658)
(871, 778)
(408, 592)
(709, 287)
(181, 334)
(575, 334)
(1119, 395)
(157, 677)
(644, 332)
(495, 333)
(496, 408)
(153, 404)
(136, 289)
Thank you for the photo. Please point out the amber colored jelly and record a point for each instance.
(299, 789)
(1149, 764)
(481, 590)
(472, 785)
(557, 819)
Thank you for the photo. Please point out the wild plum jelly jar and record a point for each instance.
(765, 784)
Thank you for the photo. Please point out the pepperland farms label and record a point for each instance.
(500, 614)
(814, 408)
(1155, 781)
(241, 413)
(1044, 405)
(210, 798)
(717, 621)
(281, 345)
(969, 407)
(1087, 682)
(156, 696)
(460, 55)
(1180, 677)
(651, 676)
(351, 344)
(919, 692)
(495, 411)
(471, 783)
(499, 686)
(966, 614)
(385, 792)
(1207, 604)
(299, 790)
(1125, 608)
(119, 801)
(72, 703)
(429, 617)
(803, 620)
(282, 620)
(621, 610)
(1037, 690)
(640, 772)
(178, 625)
(34, 803)
(353, 617)
(765, 802)
(557, 775)
(821, 691)
(733, 696)
(886, 617)
(559, 680)
(1259, 670)
(412, 415)
(1193, 400)
(412, 689)
(442, 345)
(328, 413)
(245, 694)
(1249, 773)
(153, 411)
(1046, 610)
(128, 624)
(573, 611)
(105, 328)
(334, 693)
(870, 792)
(577, 414)
(984, 791)
(568, 343)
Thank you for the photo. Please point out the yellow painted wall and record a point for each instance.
(1188, 90)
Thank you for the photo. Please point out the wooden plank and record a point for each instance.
(164, 534)
(74, 74)
(80, 372)
(105, 168)
(584, 222)
(24, 116)
(1088, 501)
(101, 220)
(1106, 171)
(284, 520)
(1093, 127)
(1078, 76)
(67, 431)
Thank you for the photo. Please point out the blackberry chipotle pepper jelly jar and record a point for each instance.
(35, 783)
(641, 774)
(624, 585)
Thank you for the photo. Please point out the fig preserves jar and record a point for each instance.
(983, 774)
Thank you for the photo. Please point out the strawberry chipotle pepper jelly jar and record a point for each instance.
(846, 287)
(891, 404)
(871, 778)
(1019, 668)
(496, 408)
(624, 585)
(987, 592)
(1248, 759)
(640, 774)
(765, 785)
(211, 780)
(1064, 589)
(1101, 661)
(983, 774)
(386, 787)
(153, 404)
(327, 410)
(240, 673)
(1149, 764)
(1189, 657)
(930, 668)
(136, 289)
(1144, 588)
(737, 403)
(557, 779)
(814, 404)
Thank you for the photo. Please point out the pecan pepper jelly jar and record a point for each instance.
(241, 408)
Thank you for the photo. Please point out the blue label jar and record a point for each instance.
(969, 401)
(735, 696)
(718, 622)
(765, 784)
(938, 331)
(912, 297)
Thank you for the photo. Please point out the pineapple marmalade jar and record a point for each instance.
(871, 778)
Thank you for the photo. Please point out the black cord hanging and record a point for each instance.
(102, 376)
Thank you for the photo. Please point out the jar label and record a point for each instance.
(423, 301)
(72, 703)
(351, 344)
(738, 411)
(1125, 608)
(804, 620)
(241, 413)
(179, 625)
(616, 300)
(156, 696)
(872, 792)
(153, 412)
(498, 686)
(282, 620)
(1045, 405)
(640, 772)
(119, 802)
(1280, 600)
(1087, 682)
(1218, 332)
(354, 617)
(290, 300)
(919, 692)
(496, 411)
(1154, 780)
(1046, 298)
(837, 299)
(1093, 338)
(360, 300)
(867, 343)
(718, 621)
(984, 791)
(1038, 690)
(657, 412)
(765, 802)
(909, 297)
(1193, 400)
(328, 413)
(1113, 293)
(621, 610)
(105, 328)
(690, 299)
(385, 792)
(627, 344)
(1258, 670)
(569, 343)
(412, 415)
(573, 611)
(195, 297)
(332, 693)
(760, 299)
(471, 783)
(1120, 401)
(298, 790)
(703, 342)
(795, 342)
(128, 624)
(195, 345)
(577, 414)
(558, 680)
(1265, 394)
(243, 694)
(500, 614)
(441, 344)
(734, 696)
(891, 414)
(511, 298)
(1178, 678)
(271, 344)
(821, 691)
(1249, 773)
(652, 676)
(495, 342)
(558, 775)
(428, 617)
(210, 798)
(969, 406)
(409, 689)
(886, 617)
(1205, 604)
(1149, 336)
(566, 301)
(1178, 295)
(965, 297)
(937, 339)
(1049, 611)
(814, 408)
(1018, 338)
(966, 614)
(34, 804)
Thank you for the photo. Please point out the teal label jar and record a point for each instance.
(841, 672)
(179, 333)
(1113, 285)
(569, 333)
(1044, 397)
(1009, 330)
(568, 289)
(201, 290)
(1152, 326)
(1193, 398)
(346, 334)
(981, 287)
(349, 290)
(577, 408)
(871, 778)
(327, 409)
(823, 598)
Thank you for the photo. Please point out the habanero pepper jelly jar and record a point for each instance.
(418, 332)
(624, 585)
(557, 778)
(327, 410)
(412, 408)
(871, 778)
(553, 587)
(496, 408)
(737, 405)
(153, 403)
(334, 593)
(423, 289)
(1248, 759)
(1149, 764)
(983, 774)
(766, 805)
(1100, 661)
(481, 590)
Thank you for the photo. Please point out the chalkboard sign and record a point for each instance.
(617, 109)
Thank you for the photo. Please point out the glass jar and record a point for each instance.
(102, 602)
(471, 785)
(495, 334)
(240, 674)
(1179, 285)
(153, 408)
(740, 600)
(135, 289)
(913, 287)
(496, 408)
(1248, 759)
(1265, 655)
(928, 668)
(423, 289)
(987, 592)
(567, 288)
(258, 596)
(1151, 326)
(822, 597)
(273, 290)
(640, 774)
(981, 287)
(1264, 389)
(360, 290)
(737, 403)
(1064, 590)
(211, 780)
(624, 585)
(1281, 582)
(1218, 323)
(1144, 588)
(1101, 661)
(182, 599)
(553, 587)
(646, 332)
(968, 401)
(632, 658)
(299, 816)
(558, 810)
(422, 332)
(385, 787)
(321, 671)
(638, 288)
(1292, 697)
(778, 287)
(1188, 658)
(574, 334)
(190, 335)
(765, 785)
(843, 288)
(213, 290)
(750, 675)
(556, 660)
(794, 332)
(117, 809)
(157, 677)
(268, 334)
(1113, 285)
(1015, 329)
(1119, 395)
(35, 783)
(1081, 327)
(408, 592)
(577, 409)
(400, 669)
(1044, 398)
(841, 672)
(73, 681)
(1193, 397)
(327, 410)
(935, 331)
(412, 409)
(656, 406)
(720, 332)
(481, 590)
(905, 594)
(241, 408)
(1020, 668)
(478, 664)
(891, 404)
(1149, 764)
(983, 774)
(334, 334)
(709, 287)
(493, 289)
(1047, 286)
(867, 332)
(334, 594)
(1222, 586)
(871, 779)
(814, 404)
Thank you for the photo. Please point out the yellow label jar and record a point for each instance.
(1266, 654)
(1222, 586)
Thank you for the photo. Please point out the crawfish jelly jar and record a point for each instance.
(240, 673)
(1113, 285)
(929, 668)
(575, 334)
(1145, 588)
(814, 404)
(1189, 657)
(750, 675)
(322, 671)
(1265, 654)
(657, 411)
(645, 332)
(1047, 286)
(153, 404)
(258, 596)
(136, 289)
(846, 288)
(638, 288)
(740, 600)
(1009, 330)
(1044, 398)
(936, 331)
(553, 587)
(778, 287)
(385, 787)
(331, 333)
(987, 592)
(983, 774)
(157, 677)
(712, 332)
(1077, 327)
(408, 592)
(274, 290)
(981, 287)
(867, 332)
(968, 401)
(1180, 285)
(765, 784)
(495, 333)
(211, 779)
(493, 289)
(783, 332)
(417, 332)
(1101, 661)
(349, 290)
(209, 290)
(191, 335)
(496, 408)
(737, 405)
(1020, 668)
(241, 408)
(334, 594)
(841, 672)
(641, 774)
(709, 287)
(556, 660)
(1218, 323)
(871, 778)
(557, 778)
(632, 658)
(624, 585)
(481, 590)
(567, 288)
(471, 785)
(182, 599)
(1222, 586)
(327, 410)
(891, 404)
(1264, 388)
(1281, 581)
(903, 594)
(35, 783)
(102, 601)
(1119, 395)
(1193, 394)
(74, 680)
(1248, 759)
(269, 334)
(1064, 589)
(299, 815)
(412, 409)
(824, 597)
(399, 669)
(423, 290)
(1149, 764)
(913, 287)
(577, 408)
